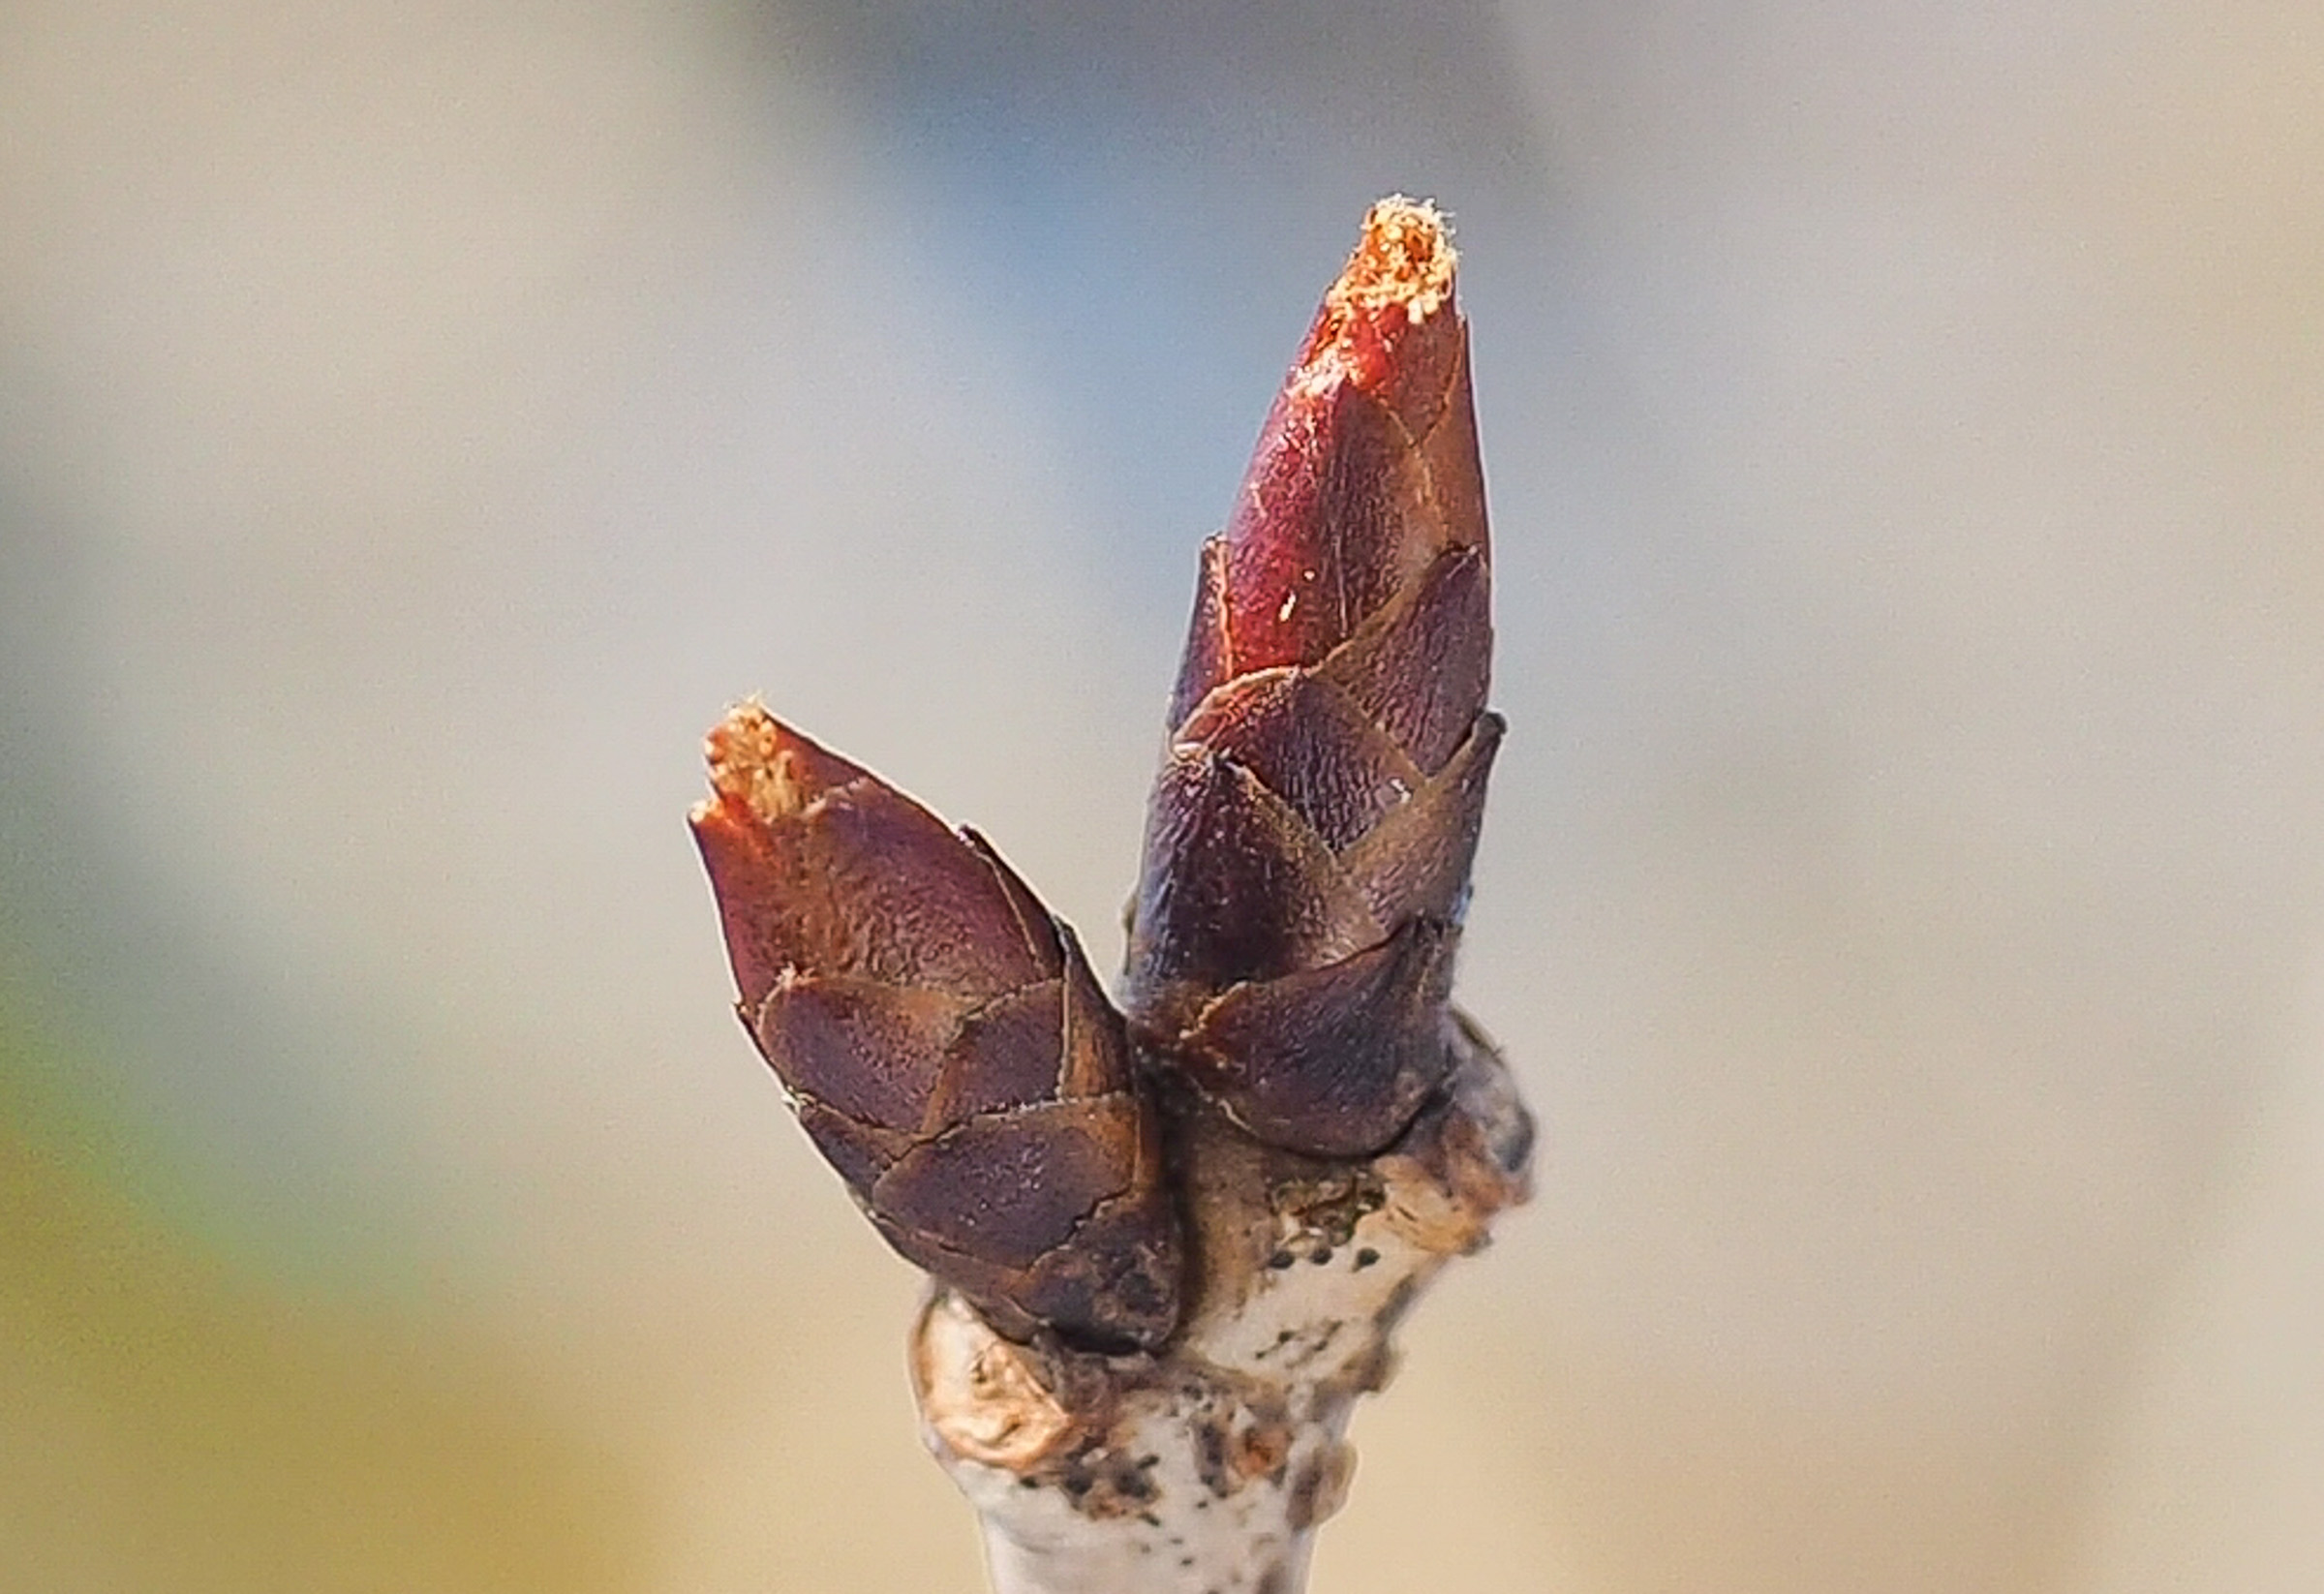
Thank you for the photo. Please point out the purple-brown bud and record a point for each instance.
(942, 1039)
(1310, 833)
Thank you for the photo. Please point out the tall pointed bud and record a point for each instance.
(942, 1039)
(1310, 833)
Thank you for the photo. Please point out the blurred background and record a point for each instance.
(1903, 895)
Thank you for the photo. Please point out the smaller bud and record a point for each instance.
(943, 1041)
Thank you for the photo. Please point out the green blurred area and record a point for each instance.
(169, 1421)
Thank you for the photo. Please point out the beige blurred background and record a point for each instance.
(1904, 893)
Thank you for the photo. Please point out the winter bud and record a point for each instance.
(942, 1039)
(1309, 837)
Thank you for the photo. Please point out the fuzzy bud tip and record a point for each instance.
(1403, 261)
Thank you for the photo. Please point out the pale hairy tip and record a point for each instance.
(751, 763)
(1404, 259)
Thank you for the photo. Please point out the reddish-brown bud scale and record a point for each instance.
(1310, 833)
(942, 1039)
